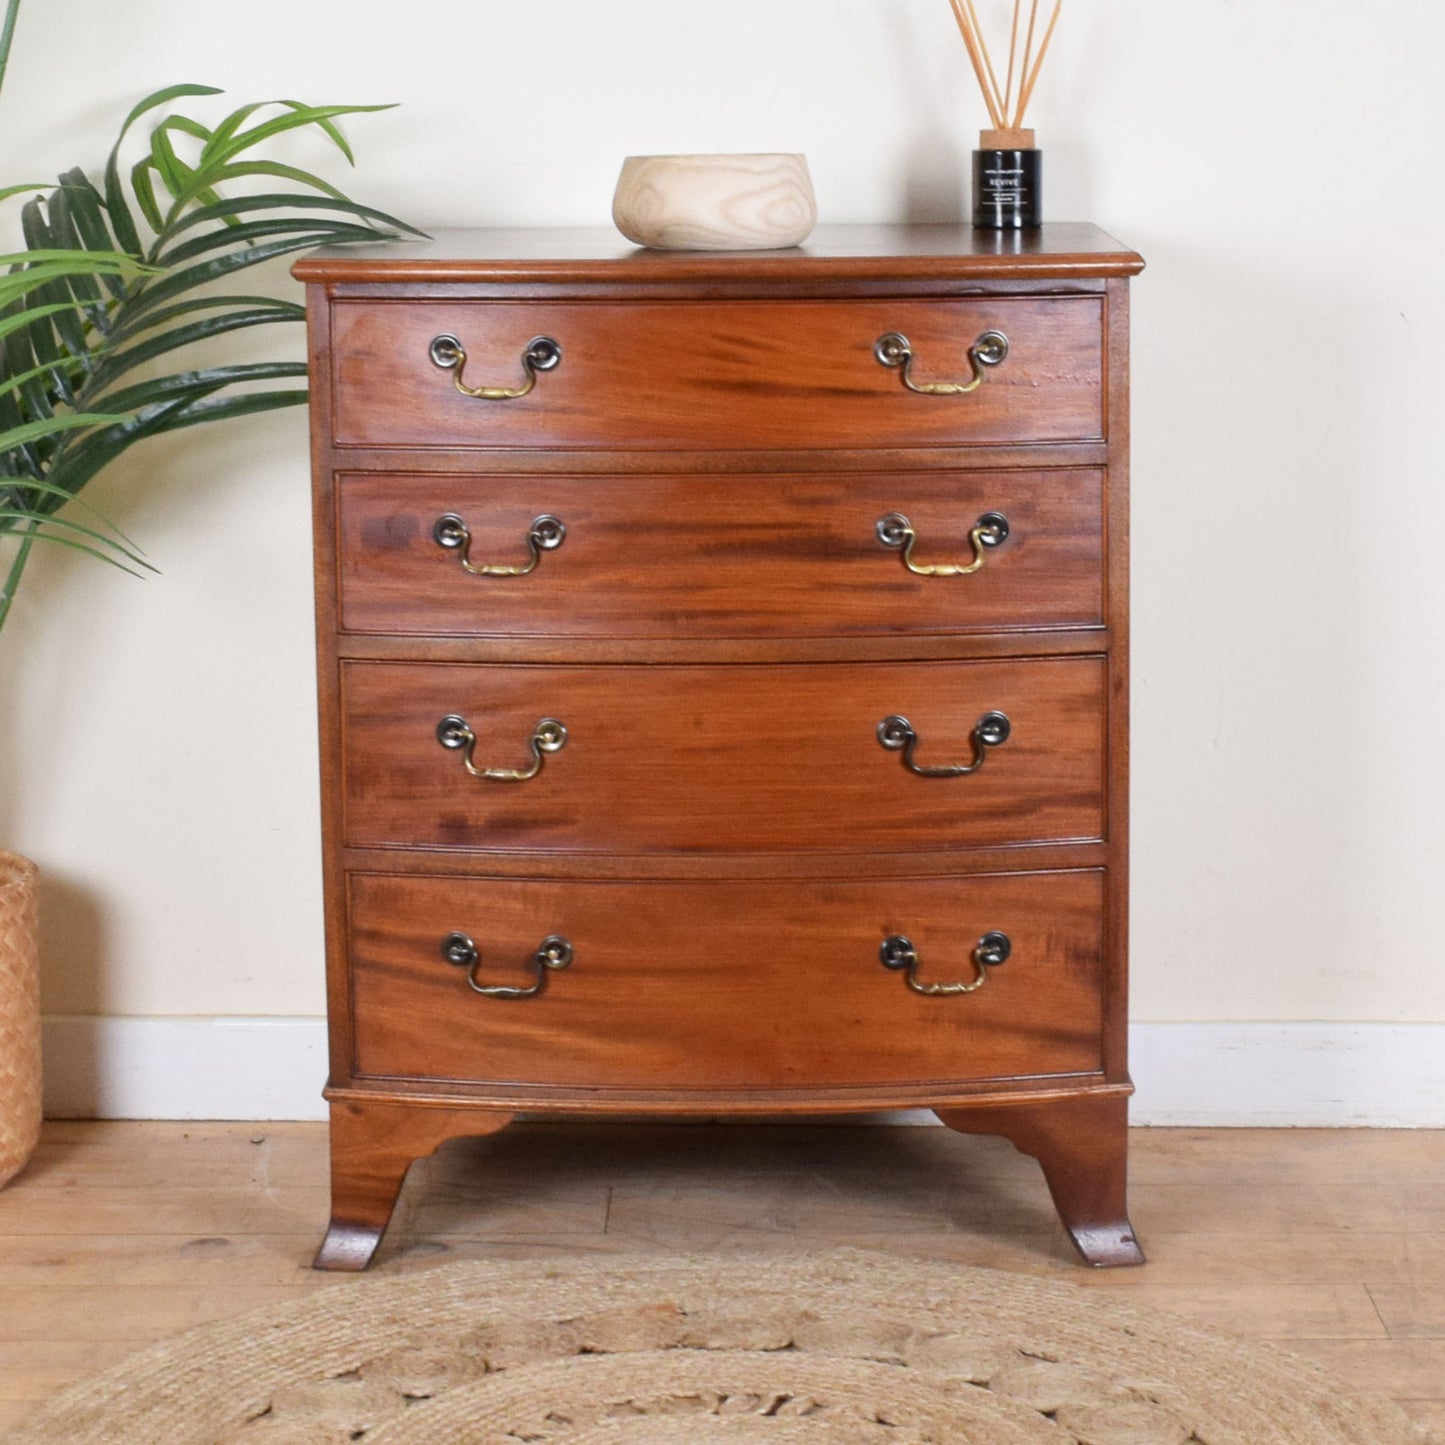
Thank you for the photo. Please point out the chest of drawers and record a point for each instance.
(723, 691)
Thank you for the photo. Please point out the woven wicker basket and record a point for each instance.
(19, 1013)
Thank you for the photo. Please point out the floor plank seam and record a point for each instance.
(1379, 1314)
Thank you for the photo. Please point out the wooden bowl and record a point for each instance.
(716, 202)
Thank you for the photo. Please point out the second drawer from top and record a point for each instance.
(733, 556)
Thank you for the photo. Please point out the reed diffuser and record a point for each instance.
(1007, 166)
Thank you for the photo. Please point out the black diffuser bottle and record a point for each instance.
(1007, 181)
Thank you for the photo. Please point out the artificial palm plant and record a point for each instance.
(119, 274)
(123, 271)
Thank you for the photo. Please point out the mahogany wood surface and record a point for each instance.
(372, 1146)
(577, 256)
(1081, 1144)
(674, 556)
(726, 985)
(634, 867)
(716, 376)
(706, 759)
(722, 838)
(1116, 980)
(895, 647)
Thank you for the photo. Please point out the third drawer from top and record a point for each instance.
(838, 758)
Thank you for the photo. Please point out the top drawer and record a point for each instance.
(748, 375)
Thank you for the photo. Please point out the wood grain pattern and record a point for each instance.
(1078, 1145)
(738, 985)
(1116, 561)
(682, 556)
(859, 256)
(703, 375)
(715, 202)
(718, 760)
(372, 1146)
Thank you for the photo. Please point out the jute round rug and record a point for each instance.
(842, 1347)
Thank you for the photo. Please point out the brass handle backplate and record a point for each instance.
(897, 952)
(547, 737)
(546, 534)
(894, 350)
(897, 735)
(553, 953)
(541, 353)
(896, 531)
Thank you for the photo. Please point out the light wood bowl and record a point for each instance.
(715, 202)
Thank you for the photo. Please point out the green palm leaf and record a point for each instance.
(244, 170)
(166, 388)
(57, 265)
(138, 325)
(296, 117)
(119, 276)
(187, 407)
(21, 319)
(53, 425)
(48, 528)
(118, 362)
(12, 385)
(177, 283)
(43, 497)
(7, 34)
(249, 233)
(271, 201)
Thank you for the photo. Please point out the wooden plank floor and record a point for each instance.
(1331, 1243)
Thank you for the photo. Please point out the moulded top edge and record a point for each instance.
(600, 254)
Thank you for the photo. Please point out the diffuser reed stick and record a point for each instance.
(1013, 46)
(975, 54)
(987, 59)
(1029, 43)
(1006, 115)
(1027, 94)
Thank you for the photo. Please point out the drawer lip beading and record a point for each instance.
(569, 1101)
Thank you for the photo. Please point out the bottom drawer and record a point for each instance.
(710, 985)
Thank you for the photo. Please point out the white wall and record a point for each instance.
(160, 761)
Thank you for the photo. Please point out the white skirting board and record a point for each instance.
(183, 1068)
(1245, 1075)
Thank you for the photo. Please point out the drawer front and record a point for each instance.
(754, 556)
(749, 375)
(724, 758)
(726, 985)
